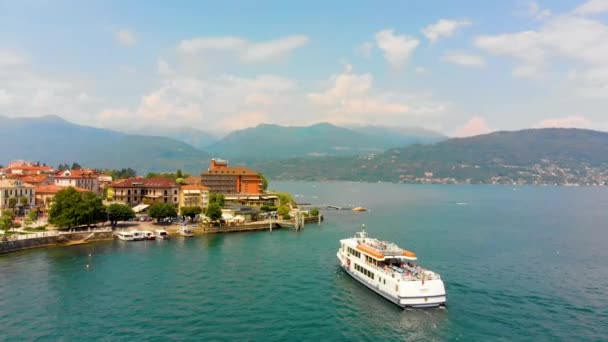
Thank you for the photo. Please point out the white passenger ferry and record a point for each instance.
(388, 270)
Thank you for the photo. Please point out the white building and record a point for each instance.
(14, 191)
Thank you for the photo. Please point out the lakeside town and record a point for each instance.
(36, 198)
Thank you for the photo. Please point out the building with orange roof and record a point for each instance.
(37, 180)
(82, 178)
(17, 195)
(192, 180)
(225, 179)
(139, 190)
(21, 167)
(193, 195)
(45, 195)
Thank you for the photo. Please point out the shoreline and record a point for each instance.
(78, 238)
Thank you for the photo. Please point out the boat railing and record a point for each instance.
(407, 275)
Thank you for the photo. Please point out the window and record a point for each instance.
(175, 192)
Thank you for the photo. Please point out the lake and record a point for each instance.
(519, 263)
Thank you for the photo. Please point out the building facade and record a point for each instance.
(83, 178)
(16, 195)
(45, 195)
(138, 190)
(224, 179)
(191, 195)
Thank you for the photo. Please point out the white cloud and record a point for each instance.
(573, 121)
(443, 28)
(11, 59)
(464, 59)
(592, 7)
(562, 39)
(365, 49)
(421, 70)
(475, 126)
(27, 92)
(125, 37)
(351, 98)
(534, 10)
(397, 48)
(246, 51)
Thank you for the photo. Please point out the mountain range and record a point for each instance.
(52, 140)
(281, 142)
(532, 156)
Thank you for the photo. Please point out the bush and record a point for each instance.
(15, 225)
(268, 208)
(314, 212)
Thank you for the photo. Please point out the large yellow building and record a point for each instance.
(193, 195)
(15, 194)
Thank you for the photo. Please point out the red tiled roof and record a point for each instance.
(82, 173)
(53, 189)
(140, 182)
(34, 179)
(193, 187)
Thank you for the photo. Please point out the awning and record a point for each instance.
(140, 207)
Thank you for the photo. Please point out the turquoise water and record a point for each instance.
(519, 264)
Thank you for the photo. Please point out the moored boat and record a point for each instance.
(138, 235)
(185, 231)
(359, 209)
(148, 235)
(124, 236)
(389, 271)
(161, 234)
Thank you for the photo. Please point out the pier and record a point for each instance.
(264, 225)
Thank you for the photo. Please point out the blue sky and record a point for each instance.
(460, 67)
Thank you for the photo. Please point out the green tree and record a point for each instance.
(214, 211)
(219, 199)
(264, 181)
(314, 212)
(179, 174)
(6, 220)
(76, 166)
(283, 211)
(24, 200)
(71, 208)
(191, 212)
(12, 203)
(160, 211)
(119, 212)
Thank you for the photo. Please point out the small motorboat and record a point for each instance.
(148, 235)
(162, 234)
(124, 236)
(138, 235)
(185, 231)
(359, 209)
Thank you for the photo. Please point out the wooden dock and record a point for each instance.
(257, 226)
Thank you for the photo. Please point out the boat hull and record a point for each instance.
(430, 300)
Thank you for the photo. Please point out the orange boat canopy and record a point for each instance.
(371, 252)
(409, 255)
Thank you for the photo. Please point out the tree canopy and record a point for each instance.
(191, 212)
(214, 211)
(6, 220)
(218, 199)
(71, 208)
(119, 212)
(264, 181)
(160, 211)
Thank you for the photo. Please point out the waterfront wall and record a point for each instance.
(51, 240)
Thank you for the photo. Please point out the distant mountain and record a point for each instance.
(401, 136)
(535, 156)
(192, 136)
(53, 140)
(266, 141)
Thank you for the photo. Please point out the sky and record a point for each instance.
(459, 67)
